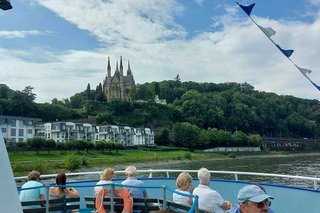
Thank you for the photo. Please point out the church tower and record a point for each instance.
(118, 86)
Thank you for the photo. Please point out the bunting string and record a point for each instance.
(269, 32)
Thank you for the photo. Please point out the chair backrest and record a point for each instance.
(61, 204)
(141, 204)
(177, 207)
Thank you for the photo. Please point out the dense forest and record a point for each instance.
(198, 108)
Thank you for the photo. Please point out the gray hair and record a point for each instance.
(131, 170)
(204, 176)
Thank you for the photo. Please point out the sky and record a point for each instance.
(59, 46)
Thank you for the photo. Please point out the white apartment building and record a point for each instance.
(18, 129)
(128, 136)
(144, 136)
(67, 131)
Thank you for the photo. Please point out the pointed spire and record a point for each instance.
(129, 69)
(117, 68)
(121, 67)
(109, 67)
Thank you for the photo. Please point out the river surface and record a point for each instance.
(292, 165)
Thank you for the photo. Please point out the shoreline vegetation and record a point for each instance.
(72, 161)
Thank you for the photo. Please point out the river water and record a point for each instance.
(297, 165)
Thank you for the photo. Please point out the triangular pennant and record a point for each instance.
(287, 53)
(267, 30)
(303, 70)
(318, 87)
(246, 9)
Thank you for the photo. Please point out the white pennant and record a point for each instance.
(268, 31)
(304, 71)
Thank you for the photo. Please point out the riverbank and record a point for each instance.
(169, 163)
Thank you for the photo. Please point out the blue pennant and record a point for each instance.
(247, 9)
(318, 87)
(287, 53)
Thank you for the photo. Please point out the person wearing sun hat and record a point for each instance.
(252, 199)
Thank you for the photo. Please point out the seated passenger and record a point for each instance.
(61, 191)
(130, 172)
(32, 194)
(105, 178)
(252, 199)
(184, 185)
(209, 200)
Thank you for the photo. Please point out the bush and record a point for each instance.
(72, 162)
(84, 161)
(188, 156)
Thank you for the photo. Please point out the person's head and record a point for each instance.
(34, 175)
(253, 199)
(61, 179)
(183, 181)
(204, 176)
(107, 174)
(130, 171)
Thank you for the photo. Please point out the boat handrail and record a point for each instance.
(236, 174)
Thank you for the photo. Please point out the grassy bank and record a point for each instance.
(23, 162)
(70, 161)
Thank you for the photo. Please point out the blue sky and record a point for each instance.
(59, 46)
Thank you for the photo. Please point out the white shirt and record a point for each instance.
(209, 200)
(98, 188)
(177, 198)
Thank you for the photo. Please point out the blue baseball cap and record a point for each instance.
(253, 193)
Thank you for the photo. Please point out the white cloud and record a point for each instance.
(315, 2)
(145, 33)
(21, 34)
(141, 21)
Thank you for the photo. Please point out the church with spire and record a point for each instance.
(118, 86)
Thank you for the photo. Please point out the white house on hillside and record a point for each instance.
(67, 131)
(18, 129)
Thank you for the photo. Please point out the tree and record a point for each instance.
(36, 143)
(61, 146)
(240, 139)
(101, 145)
(162, 138)
(49, 144)
(254, 140)
(185, 135)
(88, 92)
(99, 96)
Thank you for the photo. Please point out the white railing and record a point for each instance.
(150, 173)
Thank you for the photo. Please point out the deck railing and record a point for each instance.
(172, 173)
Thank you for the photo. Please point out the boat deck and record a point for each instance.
(286, 198)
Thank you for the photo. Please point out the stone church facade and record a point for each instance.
(118, 85)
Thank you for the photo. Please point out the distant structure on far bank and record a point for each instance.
(118, 86)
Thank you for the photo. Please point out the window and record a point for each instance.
(13, 132)
(29, 131)
(21, 132)
(4, 130)
(13, 122)
(20, 140)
